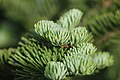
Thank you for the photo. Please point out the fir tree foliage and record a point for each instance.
(101, 24)
(70, 19)
(58, 50)
(5, 54)
(64, 32)
(103, 58)
(55, 70)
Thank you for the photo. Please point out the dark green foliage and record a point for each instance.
(113, 46)
(5, 55)
(5, 68)
(103, 23)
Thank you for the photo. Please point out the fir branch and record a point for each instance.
(59, 35)
(103, 59)
(5, 55)
(35, 60)
(55, 71)
(103, 23)
(70, 19)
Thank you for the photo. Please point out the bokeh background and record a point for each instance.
(19, 16)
